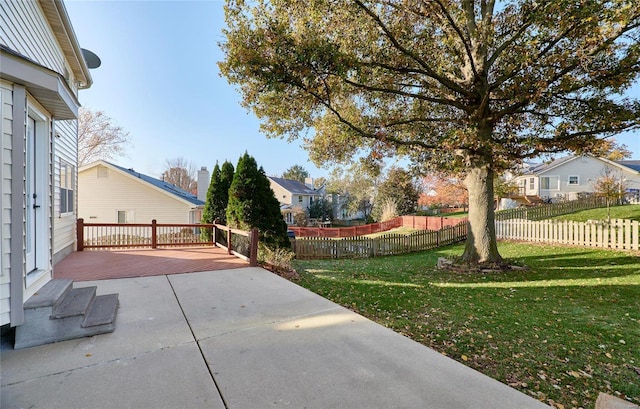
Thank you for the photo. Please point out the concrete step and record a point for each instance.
(59, 312)
(50, 295)
(102, 311)
(75, 302)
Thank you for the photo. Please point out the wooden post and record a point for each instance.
(253, 249)
(80, 234)
(229, 240)
(154, 234)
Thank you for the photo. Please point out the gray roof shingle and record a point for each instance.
(632, 164)
(166, 186)
(295, 186)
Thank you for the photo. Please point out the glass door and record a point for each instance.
(31, 202)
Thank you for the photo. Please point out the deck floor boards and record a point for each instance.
(101, 265)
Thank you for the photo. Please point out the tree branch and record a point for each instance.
(430, 72)
(459, 32)
(440, 101)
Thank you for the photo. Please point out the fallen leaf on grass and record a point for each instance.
(574, 374)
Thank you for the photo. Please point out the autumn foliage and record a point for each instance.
(441, 191)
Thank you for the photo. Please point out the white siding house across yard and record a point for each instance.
(566, 178)
(108, 193)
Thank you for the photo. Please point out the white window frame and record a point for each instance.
(67, 188)
(577, 182)
(532, 184)
(129, 216)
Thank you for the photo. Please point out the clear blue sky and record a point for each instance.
(160, 81)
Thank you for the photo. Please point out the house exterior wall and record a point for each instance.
(573, 177)
(39, 49)
(304, 201)
(103, 191)
(6, 112)
(294, 199)
(64, 221)
(283, 195)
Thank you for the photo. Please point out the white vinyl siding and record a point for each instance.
(588, 169)
(100, 199)
(283, 195)
(25, 29)
(64, 223)
(6, 107)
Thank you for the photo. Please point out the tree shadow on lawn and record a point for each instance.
(551, 264)
(570, 266)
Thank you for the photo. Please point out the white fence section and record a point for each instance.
(617, 234)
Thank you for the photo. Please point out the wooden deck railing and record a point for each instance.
(115, 236)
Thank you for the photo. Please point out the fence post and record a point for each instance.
(80, 234)
(154, 234)
(229, 240)
(253, 249)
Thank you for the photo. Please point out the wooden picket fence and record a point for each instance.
(545, 211)
(385, 245)
(413, 222)
(618, 234)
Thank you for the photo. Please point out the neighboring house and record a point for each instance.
(42, 67)
(294, 194)
(341, 211)
(108, 193)
(569, 177)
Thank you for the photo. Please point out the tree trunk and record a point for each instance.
(481, 245)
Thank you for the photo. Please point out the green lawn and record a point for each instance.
(562, 331)
(631, 212)
(397, 230)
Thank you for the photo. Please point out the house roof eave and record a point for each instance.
(47, 86)
(57, 16)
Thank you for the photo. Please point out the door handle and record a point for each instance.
(35, 206)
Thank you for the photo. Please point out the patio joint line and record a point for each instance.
(213, 378)
(69, 371)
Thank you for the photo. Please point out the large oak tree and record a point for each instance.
(462, 85)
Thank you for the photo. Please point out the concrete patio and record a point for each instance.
(240, 338)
